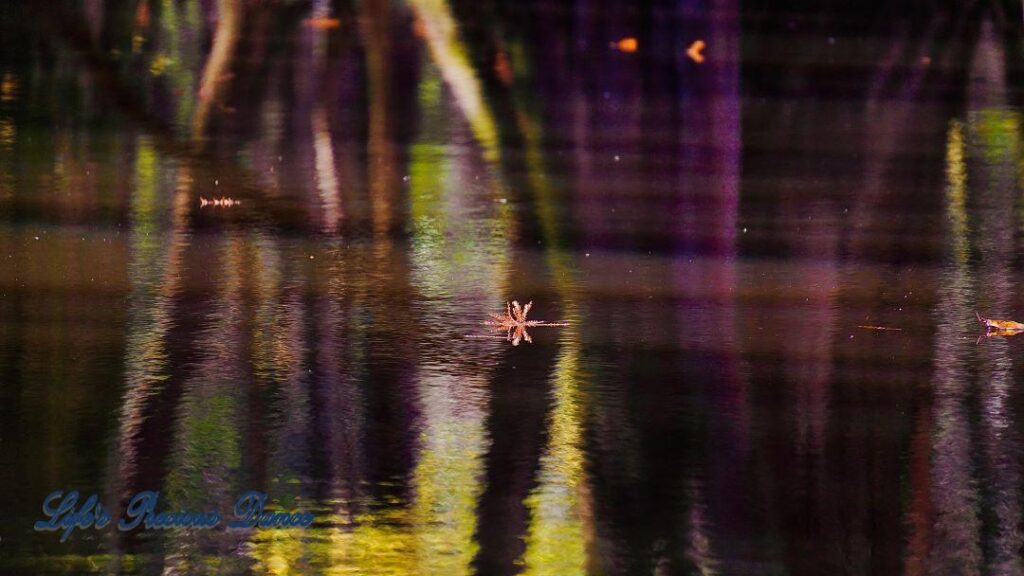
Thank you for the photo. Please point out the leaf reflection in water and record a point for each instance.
(1002, 333)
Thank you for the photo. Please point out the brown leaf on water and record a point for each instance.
(1000, 325)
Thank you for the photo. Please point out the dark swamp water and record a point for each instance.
(250, 246)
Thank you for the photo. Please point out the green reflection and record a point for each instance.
(179, 58)
(998, 132)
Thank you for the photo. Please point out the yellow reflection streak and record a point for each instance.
(556, 538)
(457, 254)
(956, 190)
(447, 477)
(561, 524)
(326, 180)
(451, 56)
(381, 544)
(952, 524)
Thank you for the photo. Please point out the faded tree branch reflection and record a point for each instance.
(216, 72)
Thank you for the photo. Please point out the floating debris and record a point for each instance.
(514, 322)
(694, 51)
(627, 45)
(885, 328)
(218, 202)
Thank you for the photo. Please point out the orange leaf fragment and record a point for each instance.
(627, 45)
(694, 51)
(322, 23)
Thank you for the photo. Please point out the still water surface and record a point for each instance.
(717, 234)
